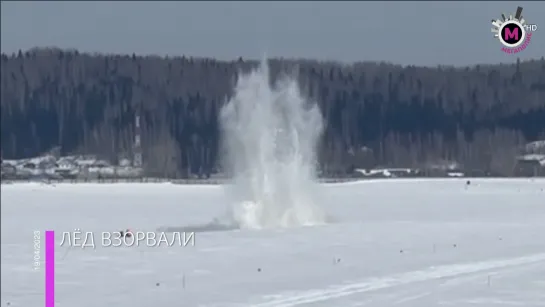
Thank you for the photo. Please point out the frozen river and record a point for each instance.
(417, 243)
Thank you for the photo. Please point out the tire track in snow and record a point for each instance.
(378, 283)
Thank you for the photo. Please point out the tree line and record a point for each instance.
(374, 113)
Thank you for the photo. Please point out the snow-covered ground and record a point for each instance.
(417, 243)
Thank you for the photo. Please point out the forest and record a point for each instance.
(375, 114)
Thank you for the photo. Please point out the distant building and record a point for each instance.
(537, 147)
(8, 171)
(30, 165)
(443, 168)
(531, 165)
(387, 173)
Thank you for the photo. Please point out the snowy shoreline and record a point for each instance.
(226, 181)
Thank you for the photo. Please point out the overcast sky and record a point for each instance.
(419, 33)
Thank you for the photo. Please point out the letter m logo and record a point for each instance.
(509, 34)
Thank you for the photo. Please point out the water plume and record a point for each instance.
(270, 134)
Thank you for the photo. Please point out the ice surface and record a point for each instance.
(416, 243)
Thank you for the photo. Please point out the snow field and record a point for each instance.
(394, 243)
